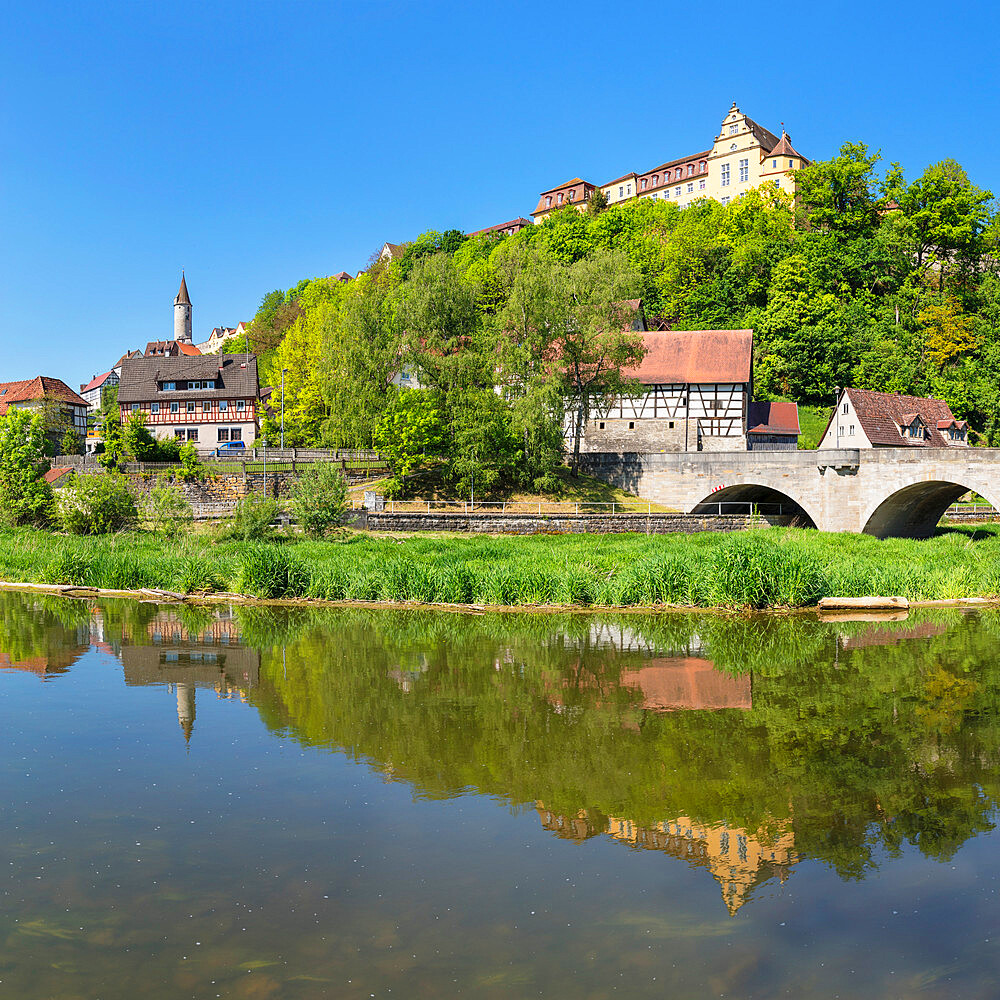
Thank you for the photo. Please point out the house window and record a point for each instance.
(154, 407)
(744, 171)
(851, 431)
(179, 434)
(725, 201)
(644, 184)
(548, 201)
(192, 434)
(628, 189)
(690, 188)
(631, 425)
(224, 404)
(690, 169)
(169, 386)
(174, 407)
(734, 129)
(774, 164)
(701, 185)
(235, 434)
(134, 408)
(724, 179)
(570, 196)
(191, 406)
(205, 406)
(790, 164)
(677, 192)
(845, 407)
(656, 178)
(559, 198)
(677, 173)
(241, 404)
(223, 433)
(666, 194)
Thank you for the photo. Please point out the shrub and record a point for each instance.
(319, 499)
(196, 574)
(167, 510)
(252, 519)
(95, 505)
(270, 571)
(192, 467)
(25, 498)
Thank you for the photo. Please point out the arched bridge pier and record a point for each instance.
(901, 492)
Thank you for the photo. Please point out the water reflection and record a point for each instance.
(739, 745)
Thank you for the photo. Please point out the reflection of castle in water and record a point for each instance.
(738, 859)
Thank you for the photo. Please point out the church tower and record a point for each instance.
(182, 313)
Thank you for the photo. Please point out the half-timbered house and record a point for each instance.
(696, 387)
(208, 400)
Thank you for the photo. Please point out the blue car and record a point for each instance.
(230, 448)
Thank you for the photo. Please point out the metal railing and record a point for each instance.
(971, 510)
(567, 507)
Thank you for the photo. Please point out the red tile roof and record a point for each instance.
(784, 148)
(173, 348)
(53, 474)
(96, 382)
(39, 387)
(695, 356)
(773, 418)
(519, 223)
(580, 189)
(881, 414)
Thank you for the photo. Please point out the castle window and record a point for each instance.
(621, 191)
(789, 164)
(670, 424)
(690, 188)
(774, 164)
(677, 192)
(631, 425)
(570, 196)
(677, 173)
(744, 171)
(732, 147)
(548, 201)
(734, 129)
(690, 169)
(559, 198)
(656, 178)
(629, 188)
(724, 175)
(600, 426)
(701, 185)
(666, 194)
(725, 201)
(644, 184)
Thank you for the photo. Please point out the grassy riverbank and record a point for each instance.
(767, 568)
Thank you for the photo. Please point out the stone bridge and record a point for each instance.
(879, 491)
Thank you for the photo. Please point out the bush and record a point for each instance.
(167, 511)
(270, 571)
(319, 499)
(252, 519)
(95, 505)
(192, 467)
(197, 574)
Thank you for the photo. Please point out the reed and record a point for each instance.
(758, 569)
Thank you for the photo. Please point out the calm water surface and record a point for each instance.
(256, 804)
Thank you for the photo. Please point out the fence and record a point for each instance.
(971, 510)
(557, 507)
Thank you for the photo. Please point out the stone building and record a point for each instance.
(864, 419)
(182, 313)
(697, 395)
(743, 155)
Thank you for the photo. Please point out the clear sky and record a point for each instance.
(255, 144)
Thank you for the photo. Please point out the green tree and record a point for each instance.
(410, 431)
(840, 194)
(25, 498)
(319, 499)
(97, 505)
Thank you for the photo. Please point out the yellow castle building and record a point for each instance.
(743, 156)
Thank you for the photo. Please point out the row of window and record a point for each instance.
(184, 386)
(191, 406)
(225, 434)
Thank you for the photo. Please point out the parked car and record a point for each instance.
(230, 448)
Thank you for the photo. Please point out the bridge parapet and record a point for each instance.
(884, 491)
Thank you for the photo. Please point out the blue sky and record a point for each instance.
(255, 144)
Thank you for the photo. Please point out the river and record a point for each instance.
(255, 803)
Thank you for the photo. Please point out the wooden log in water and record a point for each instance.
(864, 604)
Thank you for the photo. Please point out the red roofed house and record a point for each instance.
(93, 392)
(504, 228)
(61, 407)
(697, 395)
(574, 192)
(866, 419)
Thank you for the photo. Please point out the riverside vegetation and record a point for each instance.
(765, 568)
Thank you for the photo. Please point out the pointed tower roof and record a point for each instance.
(784, 148)
(182, 299)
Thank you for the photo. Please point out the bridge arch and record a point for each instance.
(913, 511)
(737, 499)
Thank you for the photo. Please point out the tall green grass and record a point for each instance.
(758, 569)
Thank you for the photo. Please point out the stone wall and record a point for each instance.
(557, 524)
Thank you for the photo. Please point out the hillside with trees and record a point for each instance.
(870, 279)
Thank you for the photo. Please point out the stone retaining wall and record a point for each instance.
(533, 524)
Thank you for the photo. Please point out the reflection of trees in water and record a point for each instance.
(861, 749)
(855, 738)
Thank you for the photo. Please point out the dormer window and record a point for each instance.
(570, 196)
(548, 201)
(644, 184)
(690, 169)
(656, 178)
(559, 198)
